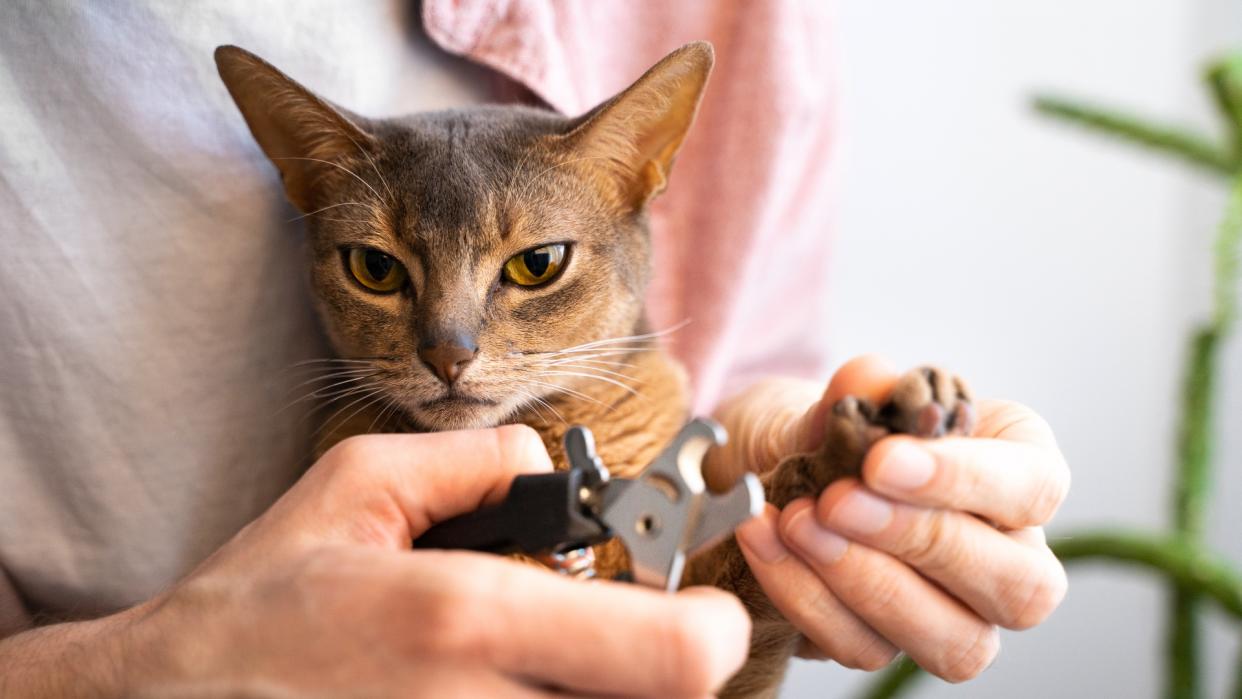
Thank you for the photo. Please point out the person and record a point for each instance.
(144, 450)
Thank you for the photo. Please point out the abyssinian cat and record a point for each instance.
(487, 266)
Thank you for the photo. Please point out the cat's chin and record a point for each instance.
(444, 418)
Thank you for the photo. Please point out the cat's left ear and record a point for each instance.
(305, 136)
(635, 136)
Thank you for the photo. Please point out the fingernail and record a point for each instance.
(861, 512)
(759, 537)
(906, 467)
(815, 541)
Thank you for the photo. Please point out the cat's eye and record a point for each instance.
(535, 266)
(375, 270)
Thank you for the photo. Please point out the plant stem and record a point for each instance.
(1189, 505)
(1181, 679)
(897, 679)
(1182, 562)
(1224, 77)
(1189, 146)
(1225, 255)
(1195, 439)
(1237, 676)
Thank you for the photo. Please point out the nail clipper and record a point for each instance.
(663, 516)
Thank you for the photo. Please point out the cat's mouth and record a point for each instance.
(455, 400)
(457, 411)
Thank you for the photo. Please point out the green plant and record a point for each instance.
(1194, 573)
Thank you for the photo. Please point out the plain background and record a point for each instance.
(1049, 267)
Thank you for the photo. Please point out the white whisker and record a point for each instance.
(627, 338)
(324, 360)
(595, 368)
(340, 167)
(330, 206)
(555, 166)
(360, 222)
(605, 379)
(367, 400)
(335, 374)
(389, 405)
(328, 392)
(570, 391)
(392, 197)
(587, 350)
(589, 360)
(539, 404)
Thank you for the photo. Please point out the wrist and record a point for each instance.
(73, 659)
(766, 422)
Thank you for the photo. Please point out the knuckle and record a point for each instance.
(518, 445)
(1049, 494)
(688, 663)
(350, 455)
(321, 579)
(876, 655)
(1042, 595)
(1031, 421)
(450, 624)
(517, 437)
(967, 660)
(962, 480)
(815, 604)
(319, 573)
(1010, 418)
(880, 594)
(937, 543)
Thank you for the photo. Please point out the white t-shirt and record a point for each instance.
(152, 285)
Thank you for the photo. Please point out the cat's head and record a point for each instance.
(459, 254)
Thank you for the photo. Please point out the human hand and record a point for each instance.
(939, 543)
(322, 595)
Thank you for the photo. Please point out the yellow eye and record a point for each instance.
(535, 266)
(375, 270)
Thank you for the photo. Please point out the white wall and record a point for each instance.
(1046, 266)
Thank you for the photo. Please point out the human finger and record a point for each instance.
(582, 637)
(1013, 483)
(937, 631)
(444, 680)
(1003, 580)
(804, 600)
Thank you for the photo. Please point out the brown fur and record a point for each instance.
(453, 195)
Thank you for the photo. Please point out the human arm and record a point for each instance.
(321, 593)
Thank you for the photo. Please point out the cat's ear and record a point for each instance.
(303, 135)
(636, 135)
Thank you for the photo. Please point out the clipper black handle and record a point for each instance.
(542, 512)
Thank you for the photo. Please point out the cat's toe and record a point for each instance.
(929, 402)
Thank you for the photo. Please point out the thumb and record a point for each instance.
(390, 488)
(867, 376)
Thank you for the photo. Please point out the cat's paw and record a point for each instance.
(926, 402)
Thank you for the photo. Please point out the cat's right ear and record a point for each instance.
(634, 137)
(305, 136)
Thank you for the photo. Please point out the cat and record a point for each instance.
(486, 266)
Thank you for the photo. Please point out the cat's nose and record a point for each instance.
(448, 359)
